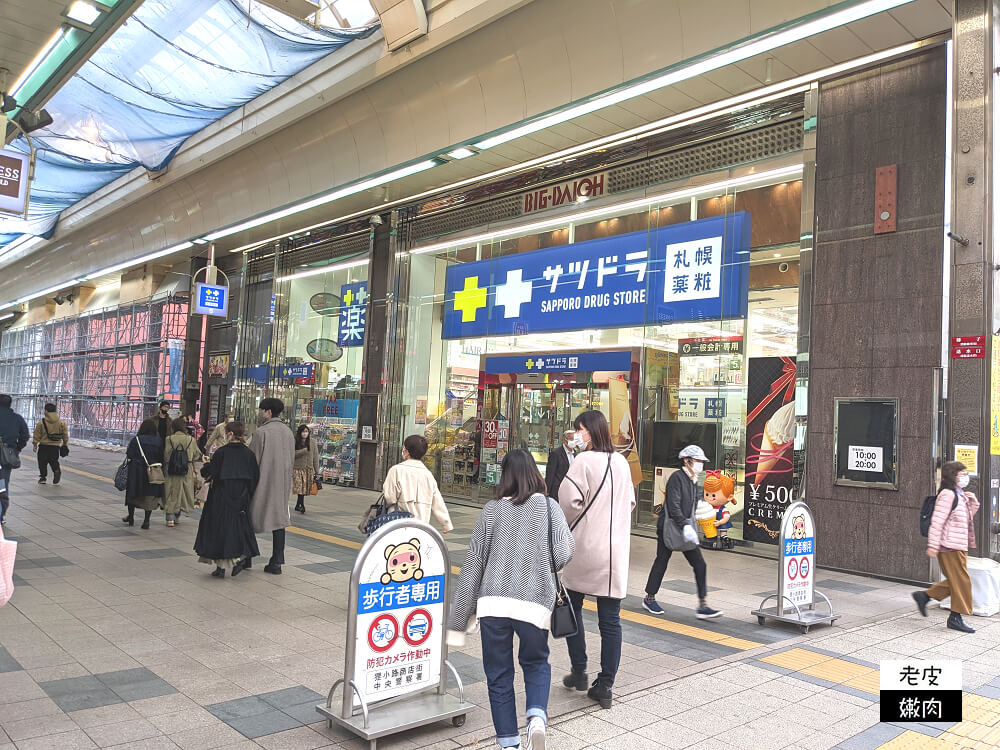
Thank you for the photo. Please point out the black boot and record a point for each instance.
(576, 680)
(219, 573)
(273, 568)
(955, 622)
(601, 694)
(921, 598)
(145, 521)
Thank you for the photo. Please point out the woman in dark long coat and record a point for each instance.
(225, 533)
(146, 447)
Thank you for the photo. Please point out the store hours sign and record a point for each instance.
(680, 272)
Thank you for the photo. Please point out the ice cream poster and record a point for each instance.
(770, 437)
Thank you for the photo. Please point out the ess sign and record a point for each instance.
(13, 181)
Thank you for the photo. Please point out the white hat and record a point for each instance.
(695, 452)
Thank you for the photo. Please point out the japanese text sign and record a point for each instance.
(211, 299)
(561, 362)
(679, 272)
(797, 564)
(711, 346)
(288, 372)
(353, 314)
(13, 181)
(912, 690)
(399, 610)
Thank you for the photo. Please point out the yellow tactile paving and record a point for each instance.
(796, 659)
(837, 670)
(867, 682)
(979, 730)
(910, 740)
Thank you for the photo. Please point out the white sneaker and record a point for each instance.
(536, 734)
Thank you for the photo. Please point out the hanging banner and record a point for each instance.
(353, 314)
(769, 439)
(675, 273)
(175, 363)
(622, 431)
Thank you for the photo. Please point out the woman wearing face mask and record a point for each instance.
(949, 539)
(597, 497)
(306, 466)
(412, 487)
(681, 497)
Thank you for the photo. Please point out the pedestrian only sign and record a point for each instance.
(798, 557)
(399, 638)
(912, 690)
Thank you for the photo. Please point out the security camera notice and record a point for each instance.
(912, 690)
(864, 458)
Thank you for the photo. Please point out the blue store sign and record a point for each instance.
(211, 299)
(294, 371)
(561, 362)
(353, 314)
(676, 273)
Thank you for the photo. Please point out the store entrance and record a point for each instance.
(538, 413)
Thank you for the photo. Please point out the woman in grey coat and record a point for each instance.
(274, 446)
(306, 466)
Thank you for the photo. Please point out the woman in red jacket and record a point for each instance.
(949, 539)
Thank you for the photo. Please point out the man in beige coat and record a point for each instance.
(274, 446)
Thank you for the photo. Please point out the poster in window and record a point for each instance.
(770, 436)
(865, 435)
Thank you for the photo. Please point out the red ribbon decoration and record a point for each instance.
(786, 382)
(717, 473)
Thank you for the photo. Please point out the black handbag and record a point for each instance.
(121, 476)
(9, 456)
(563, 623)
(63, 451)
(381, 513)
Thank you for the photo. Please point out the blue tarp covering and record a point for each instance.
(171, 69)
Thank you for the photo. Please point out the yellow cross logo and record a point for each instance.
(529, 364)
(470, 300)
(349, 296)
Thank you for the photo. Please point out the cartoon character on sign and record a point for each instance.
(402, 563)
(719, 491)
(799, 527)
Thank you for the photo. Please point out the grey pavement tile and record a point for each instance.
(469, 668)
(108, 534)
(133, 730)
(258, 725)
(856, 693)
(873, 737)
(303, 738)
(40, 726)
(136, 684)
(326, 568)
(845, 586)
(306, 713)
(78, 693)
(239, 708)
(684, 586)
(7, 662)
(291, 697)
(155, 554)
(74, 740)
(987, 691)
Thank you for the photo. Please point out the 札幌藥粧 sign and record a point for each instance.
(211, 299)
(398, 638)
(680, 272)
(13, 181)
(353, 314)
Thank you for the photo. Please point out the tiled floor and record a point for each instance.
(118, 637)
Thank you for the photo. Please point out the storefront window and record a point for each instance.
(635, 312)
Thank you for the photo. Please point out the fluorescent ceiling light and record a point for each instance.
(613, 210)
(323, 269)
(200, 241)
(37, 61)
(138, 261)
(7, 316)
(83, 12)
(745, 51)
(461, 153)
(343, 192)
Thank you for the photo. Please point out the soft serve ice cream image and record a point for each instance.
(779, 432)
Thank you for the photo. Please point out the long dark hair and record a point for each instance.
(949, 474)
(519, 477)
(600, 434)
(149, 427)
(299, 442)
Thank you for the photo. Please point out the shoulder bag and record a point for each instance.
(593, 497)
(9, 456)
(63, 449)
(673, 537)
(563, 623)
(154, 472)
(121, 476)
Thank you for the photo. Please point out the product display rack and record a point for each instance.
(337, 441)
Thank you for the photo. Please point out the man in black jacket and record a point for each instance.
(558, 464)
(14, 435)
(681, 497)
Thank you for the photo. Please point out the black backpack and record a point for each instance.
(927, 512)
(177, 465)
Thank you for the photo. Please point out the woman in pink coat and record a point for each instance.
(949, 539)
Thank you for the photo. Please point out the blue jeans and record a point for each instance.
(4, 490)
(498, 663)
(610, 624)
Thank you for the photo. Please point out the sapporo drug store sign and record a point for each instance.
(399, 635)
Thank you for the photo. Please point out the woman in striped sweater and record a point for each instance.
(508, 583)
(951, 536)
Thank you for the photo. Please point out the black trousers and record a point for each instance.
(659, 569)
(48, 455)
(278, 547)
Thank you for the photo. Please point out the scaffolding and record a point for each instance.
(106, 369)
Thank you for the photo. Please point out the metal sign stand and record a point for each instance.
(796, 596)
(403, 622)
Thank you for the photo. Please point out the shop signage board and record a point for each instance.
(211, 299)
(680, 272)
(396, 651)
(564, 193)
(796, 597)
(968, 455)
(353, 314)
(865, 442)
(711, 346)
(769, 440)
(968, 347)
(13, 181)
(866, 458)
(289, 372)
(599, 361)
